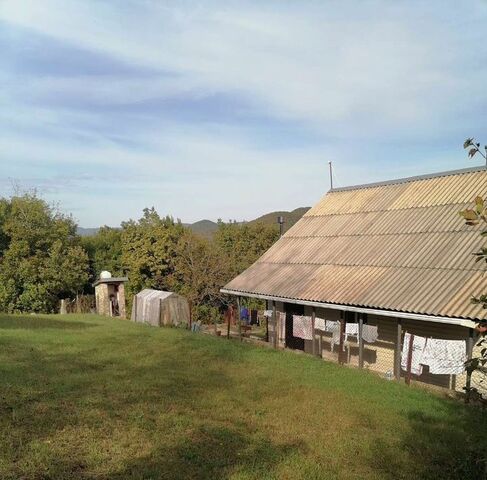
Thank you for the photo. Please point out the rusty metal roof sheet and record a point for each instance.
(397, 246)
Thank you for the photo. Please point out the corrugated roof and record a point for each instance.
(397, 245)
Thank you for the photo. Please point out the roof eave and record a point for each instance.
(111, 280)
(350, 308)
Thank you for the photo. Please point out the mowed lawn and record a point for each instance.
(85, 397)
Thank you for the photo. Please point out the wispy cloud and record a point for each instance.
(233, 108)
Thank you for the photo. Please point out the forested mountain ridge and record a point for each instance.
(207, 228)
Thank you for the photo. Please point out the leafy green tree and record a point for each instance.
(474, 217)
(149, 247)
(41, 258)
(199, 271)
(104, 251)
(243, 244)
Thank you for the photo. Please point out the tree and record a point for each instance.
(41, 257)
(474, 217)
(243, 244)
(104, 251)
(474, 148)
(199, 271)
(148, 250)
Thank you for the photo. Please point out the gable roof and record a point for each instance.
(398, 246)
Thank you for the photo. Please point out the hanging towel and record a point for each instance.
(320, 324)
(370, 333)
(335, 329)
(418, 347)
(331, 326)
(351, 329)
(268, 313)
(445, 357)
(302, 327)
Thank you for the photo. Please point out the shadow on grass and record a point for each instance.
(210, 453)
(452, 446)
(32, 322)
(153, 407)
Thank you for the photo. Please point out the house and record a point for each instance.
(394, 255)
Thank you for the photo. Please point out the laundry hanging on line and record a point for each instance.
(351, 329)
(418, 346)
(370, 333)
(320, 324)
(332, 326)
(335, 329)
(267, 313)
(445, 357)
(302, 327)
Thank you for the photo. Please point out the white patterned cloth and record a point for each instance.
(302, 327)
(445, 357)
(351, 329)
(370, 333)
(320, 324)
(267, 313)
(335, 328)
(419, 344)
(332, 326)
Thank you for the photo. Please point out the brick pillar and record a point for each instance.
(102, 299)
(121, 301)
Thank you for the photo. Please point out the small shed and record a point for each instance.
(110, 295)
(160, 308)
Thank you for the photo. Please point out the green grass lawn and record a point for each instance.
(85, 397)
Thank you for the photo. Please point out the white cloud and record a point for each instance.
(353, 75)
(371, 68)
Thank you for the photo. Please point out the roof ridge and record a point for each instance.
(414, 178)
(405, 267)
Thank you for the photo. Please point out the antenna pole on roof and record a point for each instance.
(331, 175)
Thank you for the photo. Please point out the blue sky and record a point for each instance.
(232, 109)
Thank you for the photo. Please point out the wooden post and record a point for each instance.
(239, 319)
(190, 315)
(398, 350)
(468, 381)
(342, 335)
(360, 340)
(161, 313)
(313, 319)
(410, 360)
(229, 319)
(274, 318)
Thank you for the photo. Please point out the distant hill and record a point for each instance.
(87, 232)
(206, 228)
(290, 218)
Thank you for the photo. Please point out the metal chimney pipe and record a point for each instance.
(280, 221)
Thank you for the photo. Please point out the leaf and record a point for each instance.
(467, 142)
(479, 204)
(469, 214)
(472, 152)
